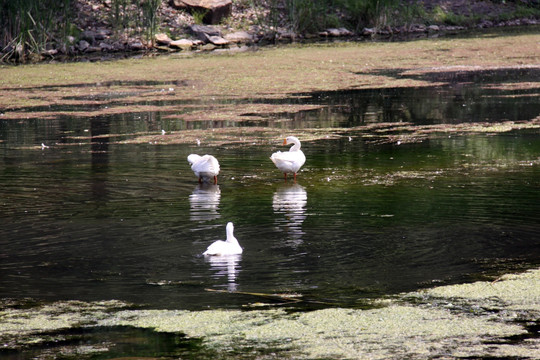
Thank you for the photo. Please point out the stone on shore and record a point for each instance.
(239, 37)
(162, 39)
(214, 10)
(183, 44)
(218, 40)
(203, 32)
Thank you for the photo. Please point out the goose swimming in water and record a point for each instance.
(205, 167)
(291, 161)
(227, 247)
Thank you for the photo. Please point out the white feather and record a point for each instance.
(228, 247)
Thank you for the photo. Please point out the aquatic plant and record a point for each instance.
(28, 26)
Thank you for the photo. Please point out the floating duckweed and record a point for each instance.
(512, 291)
(430, 323)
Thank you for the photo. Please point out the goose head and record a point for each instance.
(292, 140)
(230, 235)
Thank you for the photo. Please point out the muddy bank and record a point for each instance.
(497, 318)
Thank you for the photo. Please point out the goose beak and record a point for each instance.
(284, 141)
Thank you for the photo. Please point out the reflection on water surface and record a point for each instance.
(91, 218)
(291, 200)
(226, 266)
(204, 202)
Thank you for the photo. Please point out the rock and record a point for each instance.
(218, 40)
(488, 24)
(286, 35)
(50, 52)
(92, 49)
(136, 45)
(183, 44)
(83, 45)
(417, 28)
(162, 48)
(333, 32)
(345, 32)
(239, 37)
(102, 34)
(162, 39)
(434, 28)
(204, 33)
(208, 47)
(214, 10)
(369, 31)
(89, 36)
(106, 47)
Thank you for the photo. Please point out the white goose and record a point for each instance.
(227, 247)
(205, 167)
(291, 161)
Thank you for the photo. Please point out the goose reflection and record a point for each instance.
(204, 202)
(291, 200)
(228, 266)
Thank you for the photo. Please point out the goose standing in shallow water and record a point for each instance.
(227, 247)
(291, 161)
(205, 167)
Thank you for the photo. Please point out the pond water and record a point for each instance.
(90, 218)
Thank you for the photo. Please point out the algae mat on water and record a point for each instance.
(197, 87)
(469, 320)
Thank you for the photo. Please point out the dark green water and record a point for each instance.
(103, 220)
(96, 219)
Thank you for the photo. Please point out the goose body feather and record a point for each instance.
(227, 247)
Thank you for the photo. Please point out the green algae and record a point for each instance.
(27, 326)
(417, 325)
(330, 333)
(509, 292)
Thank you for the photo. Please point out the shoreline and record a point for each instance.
(252, 42)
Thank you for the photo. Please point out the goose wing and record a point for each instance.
(206, 164)
(289, 161)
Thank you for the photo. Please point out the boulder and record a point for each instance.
(345, 32)
(162, 39)
(239, 37)
(203, 32)
(333, 32)
(49, 52)
(208, 47)
(83, 45)
(88, 36)
(213, 10)
(369, 31)
(183, 44)
(102, 34)
(106, 47)
(136, 45)
(218, 40)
